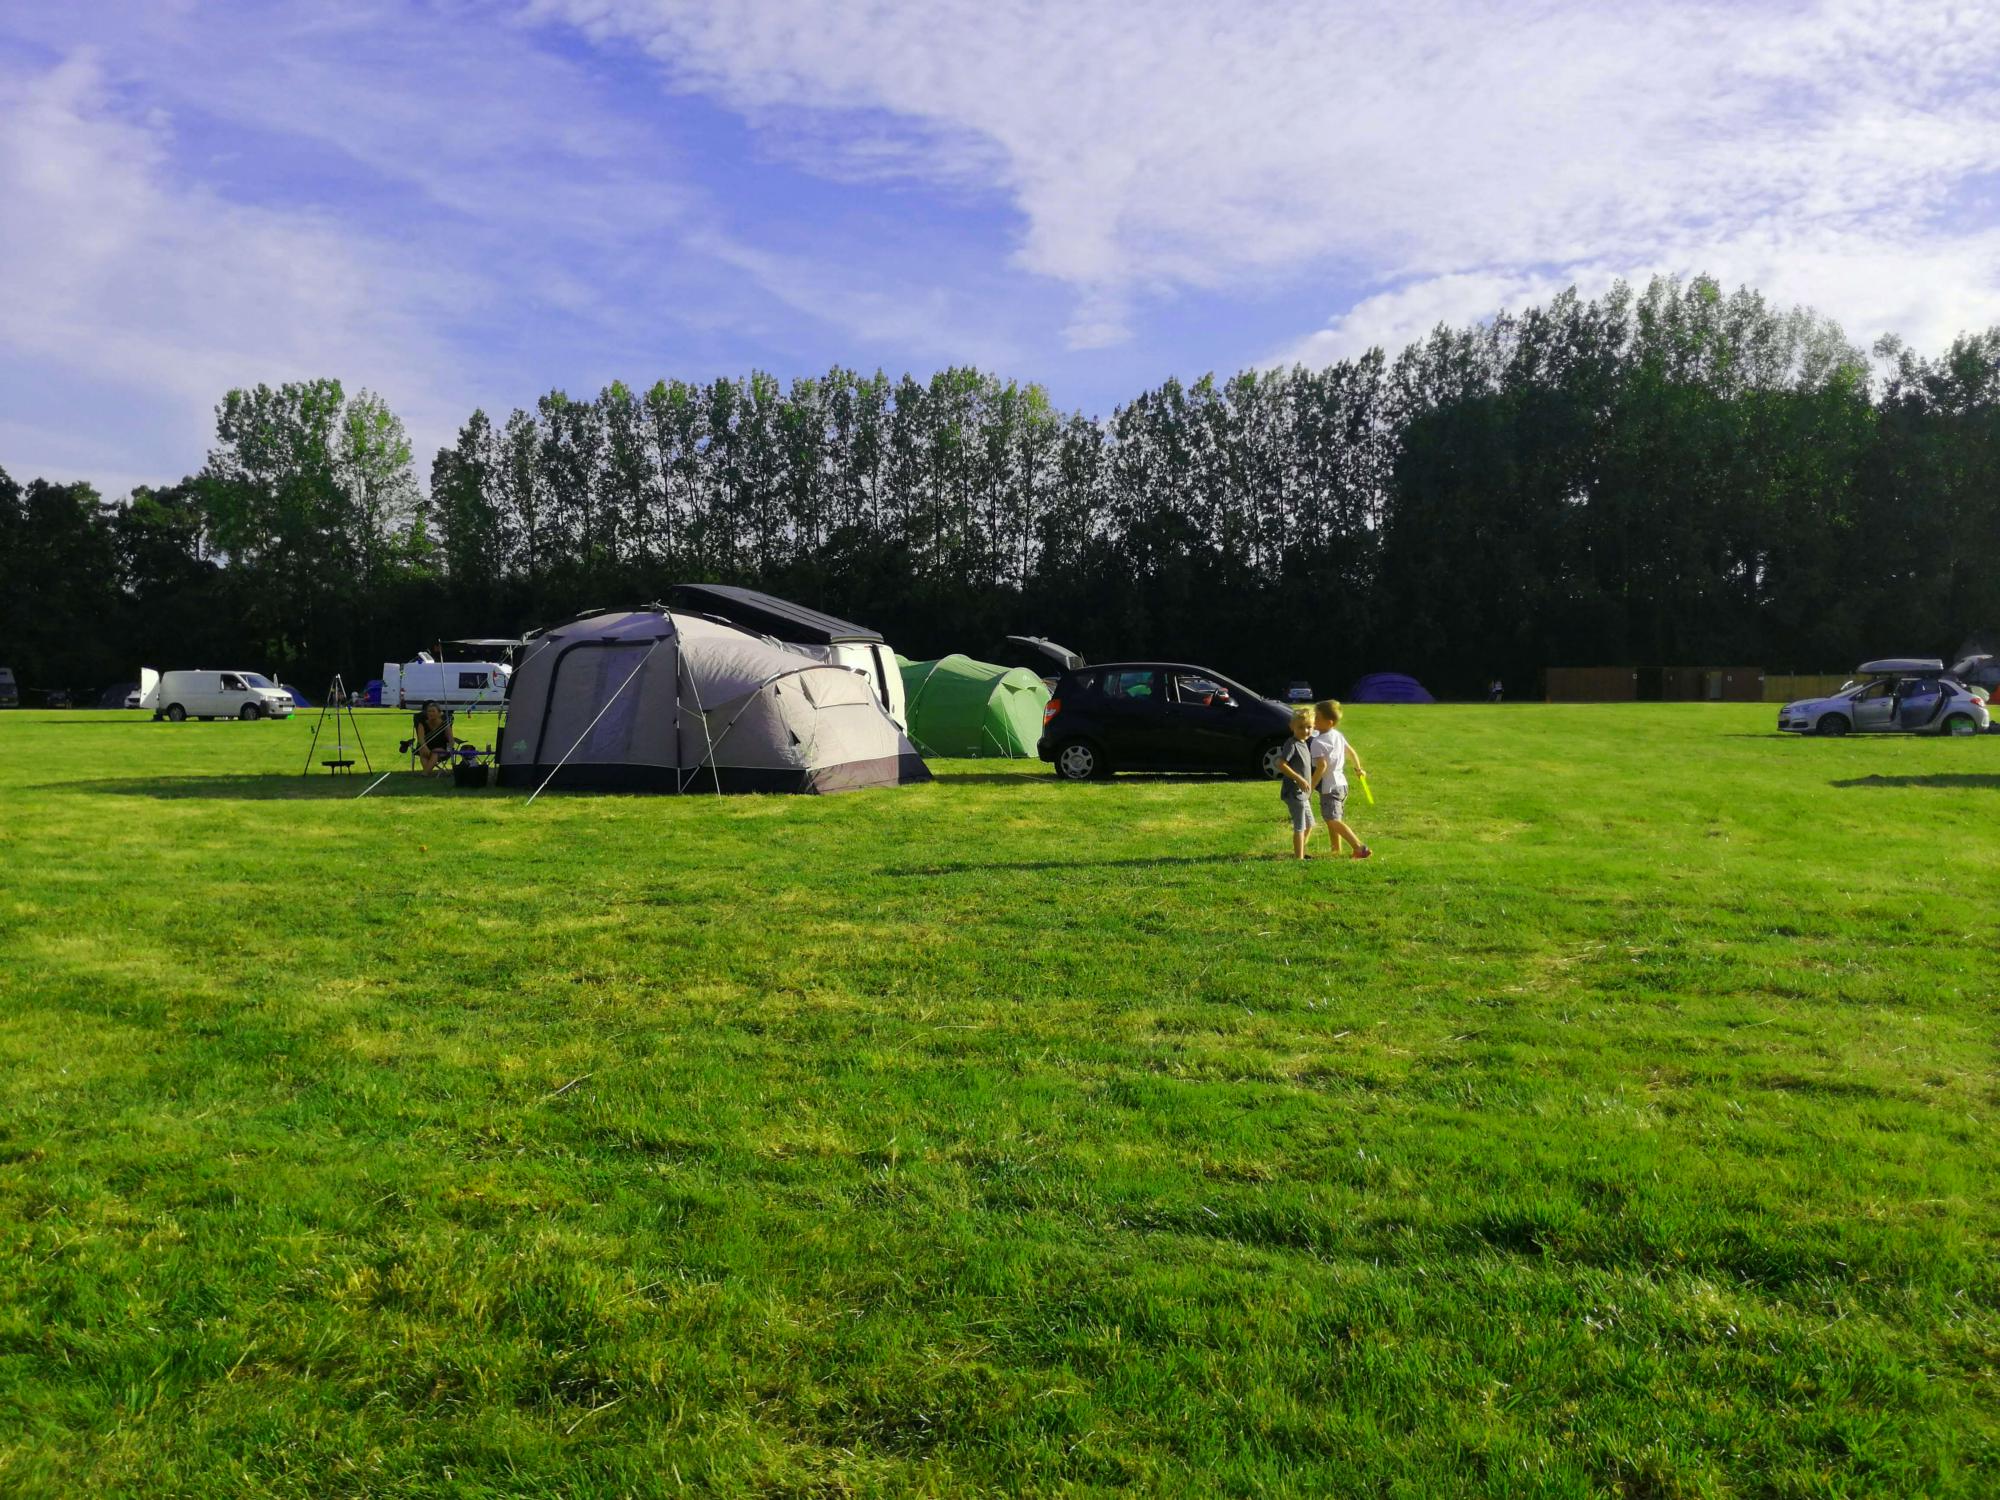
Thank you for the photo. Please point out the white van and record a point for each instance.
(219, 695)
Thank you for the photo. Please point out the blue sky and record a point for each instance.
(458, 203)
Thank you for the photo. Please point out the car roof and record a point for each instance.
(1903, 664)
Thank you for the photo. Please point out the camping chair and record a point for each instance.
(445, 755)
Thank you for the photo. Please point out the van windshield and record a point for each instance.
(257, 679)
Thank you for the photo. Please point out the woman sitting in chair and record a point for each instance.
(430, 740)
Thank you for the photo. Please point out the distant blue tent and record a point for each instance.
(1388, 687)
(298, 697)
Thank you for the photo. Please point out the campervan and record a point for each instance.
(449, 684)
(219, 695)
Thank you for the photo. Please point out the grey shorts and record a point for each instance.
(1333, 806)
(1302, 814)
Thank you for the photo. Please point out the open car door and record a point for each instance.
(1918, 703)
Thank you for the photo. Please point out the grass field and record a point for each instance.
(1626, 1127)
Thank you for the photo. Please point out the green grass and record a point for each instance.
(1626, 1127)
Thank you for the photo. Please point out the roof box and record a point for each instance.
(1902, 664)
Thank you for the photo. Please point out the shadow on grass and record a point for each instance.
(980, 867)
(1044, 777)
(1991, 781)
(267, 788)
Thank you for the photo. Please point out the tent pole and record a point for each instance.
(593, 723)
(680, 665)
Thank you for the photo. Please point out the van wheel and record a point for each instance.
(250, 711)
(1080, 760)
(176, 714)
(1832, 724)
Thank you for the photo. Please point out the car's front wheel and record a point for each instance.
(176, 714)
(1268, 756)
(1080, 760)
(250, 711)
(1832, 724)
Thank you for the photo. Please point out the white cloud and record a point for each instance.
(168, 296)
(1435, 150)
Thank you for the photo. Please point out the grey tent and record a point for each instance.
(654, 701)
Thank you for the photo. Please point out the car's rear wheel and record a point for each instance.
(1079, 760)
(176, 714)
(250, 711)
(1832, 724)
(1960, 724)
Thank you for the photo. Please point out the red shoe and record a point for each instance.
(1364, 852)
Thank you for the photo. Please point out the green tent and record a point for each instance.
(961, 707)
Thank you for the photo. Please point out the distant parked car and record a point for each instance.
(10, 690)
(57, 698)
(1299, 692)
(1898, 695)
(1159, 716)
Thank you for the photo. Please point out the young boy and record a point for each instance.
(1295, 780)
(1330, 754)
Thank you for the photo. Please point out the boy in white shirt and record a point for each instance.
(1330, 754)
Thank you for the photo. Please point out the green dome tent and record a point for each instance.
(962, 707)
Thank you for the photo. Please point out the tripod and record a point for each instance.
(337, 704)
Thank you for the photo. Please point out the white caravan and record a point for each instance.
(217, 695)
(449, 684)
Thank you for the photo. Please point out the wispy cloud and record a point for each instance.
(169, 295)
(1431, 149)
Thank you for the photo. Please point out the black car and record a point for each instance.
(1159, 716)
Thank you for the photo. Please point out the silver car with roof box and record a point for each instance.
(1896, 695)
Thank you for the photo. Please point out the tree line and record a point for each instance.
(1667, 476)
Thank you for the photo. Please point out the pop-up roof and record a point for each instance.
(767, 614)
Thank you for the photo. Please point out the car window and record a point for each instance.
(1078, 685)
(1131, 686)
(473, 680)
(1200, 691)
(1872, 691)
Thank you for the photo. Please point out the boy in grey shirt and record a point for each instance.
(1295, 770)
